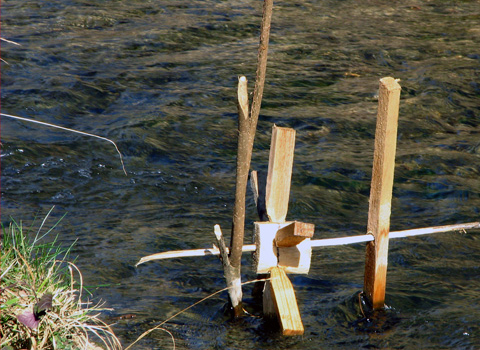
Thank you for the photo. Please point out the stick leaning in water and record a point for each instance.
(70, 130)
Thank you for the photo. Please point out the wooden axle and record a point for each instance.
(286, 247)
(316, 243)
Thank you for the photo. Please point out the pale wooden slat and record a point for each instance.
(285, 303)
(280, 166)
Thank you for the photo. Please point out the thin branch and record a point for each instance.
(189, 253)
(10, 41)
(222, 248)
(70, 130)
(262, 61)
(244, 155)
(187, 308)
(242, 93)
(247, 127)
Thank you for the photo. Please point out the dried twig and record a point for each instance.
(70, 130)
(182, 311)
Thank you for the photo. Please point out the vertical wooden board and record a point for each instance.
(285, 303)
(381, 191)
(279, 176)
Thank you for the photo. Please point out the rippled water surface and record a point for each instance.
(159, 78)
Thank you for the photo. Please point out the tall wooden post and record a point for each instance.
(381, 192)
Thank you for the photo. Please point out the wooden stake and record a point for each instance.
(269, 310)
(279, 176)
(381, 192)
(285, 302)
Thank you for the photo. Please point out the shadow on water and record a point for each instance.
(359, 316)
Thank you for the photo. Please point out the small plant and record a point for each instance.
(41, 300)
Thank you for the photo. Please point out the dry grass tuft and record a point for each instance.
(41, 298)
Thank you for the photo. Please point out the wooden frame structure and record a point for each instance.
(282, 247)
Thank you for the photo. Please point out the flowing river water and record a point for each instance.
(159, 78)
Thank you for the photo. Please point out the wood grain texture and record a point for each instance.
(285, 303)
(381, 192)
(279, 176)
(293, 234)
(296, 259)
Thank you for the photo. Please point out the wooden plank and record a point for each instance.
(285, 303)
(279, 176)
(381, 192)
(293, 234)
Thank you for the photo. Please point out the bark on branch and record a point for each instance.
(247, 125)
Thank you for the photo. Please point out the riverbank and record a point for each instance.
(42, 299)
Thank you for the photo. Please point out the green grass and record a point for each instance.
(41, 301)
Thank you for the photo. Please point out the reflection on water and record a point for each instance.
(159, 79)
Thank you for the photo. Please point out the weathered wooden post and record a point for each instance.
(381, 192)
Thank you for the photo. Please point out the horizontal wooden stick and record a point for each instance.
(317, 242)
(435, 229)
(394, 234)
(187, 253)
(341, 241)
